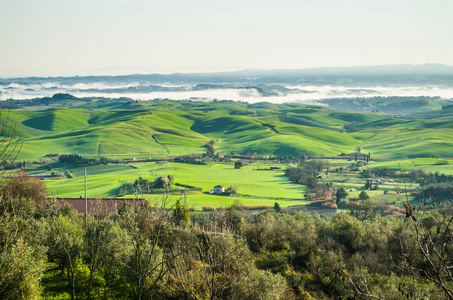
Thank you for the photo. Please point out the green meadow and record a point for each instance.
(170, 128)
(255, 187)
(255, 184)
(430, 165)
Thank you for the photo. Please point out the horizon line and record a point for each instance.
(224, 71)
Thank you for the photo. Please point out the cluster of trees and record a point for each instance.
(344, 258)
(22, 255)
(418, 176)
(210, 146)
(306, 173)
(375, 172)
(439, 193)
(83, 161)
(144, 186)
(143, 252)
(74, 159)
(13, 165)
(300, 158)
(351, 127)
(431, 178)
(437, 187)
(369, 185)
(151, 252)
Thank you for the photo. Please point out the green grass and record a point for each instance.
(319, 134)
(349, 117)
(258, 187)
(58, 119)
(395, 192)
(197, 201)
(237, 128)
(184, 150)
(323, 120)
(285, 144)
(406, 143)
(247, 180)
(162, 128)
(255, 187)
(300, 120)
(430, 165)
(55, 285)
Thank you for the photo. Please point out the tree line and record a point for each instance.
(83, 161)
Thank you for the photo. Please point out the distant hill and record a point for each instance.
(126, 129)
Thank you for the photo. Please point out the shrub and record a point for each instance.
(208, 208)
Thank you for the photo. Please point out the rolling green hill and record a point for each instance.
(58, 119)
(126, 129)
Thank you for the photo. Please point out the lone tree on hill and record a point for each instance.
(238, 164)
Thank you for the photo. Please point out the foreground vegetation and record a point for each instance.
(52, 252)
(391, 240)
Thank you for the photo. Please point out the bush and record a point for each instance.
(208, 208)
(23, 186)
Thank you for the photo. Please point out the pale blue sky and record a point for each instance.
(66, 37)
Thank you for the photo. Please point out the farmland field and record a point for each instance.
(255, 187)
(430, 165)
(254, 183)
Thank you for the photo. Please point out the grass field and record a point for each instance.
(198, 201)
(161, 128)
(254, 184)
(431, 165)
(255, 187)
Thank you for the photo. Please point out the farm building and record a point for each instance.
(219, 189)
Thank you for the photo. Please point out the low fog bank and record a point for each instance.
(208, 92)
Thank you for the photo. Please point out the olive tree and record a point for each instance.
(21, 264)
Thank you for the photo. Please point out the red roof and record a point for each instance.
(98, 206)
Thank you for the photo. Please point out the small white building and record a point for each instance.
(219, 189)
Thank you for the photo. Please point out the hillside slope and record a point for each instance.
(169, 128)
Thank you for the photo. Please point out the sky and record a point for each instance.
(111, 37)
